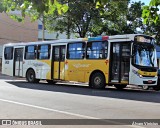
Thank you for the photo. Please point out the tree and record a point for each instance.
(114, 16)
(77, 20)
(134, 18)
(2, 7)
(123, 17)
(152, 18)
(83, 18)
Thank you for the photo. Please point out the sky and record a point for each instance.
(144, 1)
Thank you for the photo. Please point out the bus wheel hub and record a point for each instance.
(145, 87)
(97, 80)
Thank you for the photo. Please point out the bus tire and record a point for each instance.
(97, 81)
(120, 86)
(31, 77)
(51, 82)
(145, 87)
(156, 88)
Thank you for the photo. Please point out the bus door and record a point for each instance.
(18, 61)
(58, 63)
(120, 62)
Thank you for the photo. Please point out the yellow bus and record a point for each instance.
(118, 60)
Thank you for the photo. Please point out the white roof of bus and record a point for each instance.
(125, 36)
(63, 41)
(60, 41)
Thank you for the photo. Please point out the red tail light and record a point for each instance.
(105, 37)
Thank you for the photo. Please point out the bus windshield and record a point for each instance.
(144, 55)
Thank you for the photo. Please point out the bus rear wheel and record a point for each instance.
(97, 81)
(31, 77)
(120, 86)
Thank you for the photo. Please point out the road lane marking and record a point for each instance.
(48, 109)
(64, 112)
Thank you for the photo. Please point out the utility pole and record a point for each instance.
(43, 28)
(68, 25)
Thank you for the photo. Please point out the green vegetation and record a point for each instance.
(151, 16)
(87, 18)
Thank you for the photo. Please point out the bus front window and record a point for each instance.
(144, 55)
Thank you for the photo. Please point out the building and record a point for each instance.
(52, 35)
(12, 31)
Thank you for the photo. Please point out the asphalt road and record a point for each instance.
(22, 100)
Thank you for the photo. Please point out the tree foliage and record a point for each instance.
(123, 16)
(2, 7)
(35, 9)
(78, 18)
(151, 18)
(150, 13)
(114, 16)
(86, 18)
(41, 7)
(134, 18)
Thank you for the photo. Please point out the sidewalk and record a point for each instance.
(6, 77)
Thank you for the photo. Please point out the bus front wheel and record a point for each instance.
(145, 87)
(97, 81)
(156, 88)
(31, 77)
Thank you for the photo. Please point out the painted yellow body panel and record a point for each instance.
(144, 73)
(45, 69)
(80, 70)
(48, 77)
(124, 82)
(62, 71)
(56, 70)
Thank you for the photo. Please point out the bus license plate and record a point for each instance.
(149, 81)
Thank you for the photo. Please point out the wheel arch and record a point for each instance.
(28, 70)
(34, 79)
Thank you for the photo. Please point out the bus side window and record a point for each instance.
(30, 52)
(44, 51)
(63, 51)
(97, 50)
(8, 53)
(76, 50)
